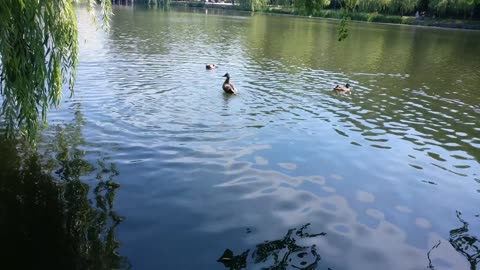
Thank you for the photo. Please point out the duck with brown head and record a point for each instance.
(343, 89)
(228, 86)
(211, 66)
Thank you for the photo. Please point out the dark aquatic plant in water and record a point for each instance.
(466, 244)
(278, 254)
(49, 215)
(430, 265)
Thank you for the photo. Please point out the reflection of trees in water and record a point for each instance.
(52, 219)
(430, 265)
(463, 242)
(285, 253)
(467, 245)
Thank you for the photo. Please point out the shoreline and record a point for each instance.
(473, 25)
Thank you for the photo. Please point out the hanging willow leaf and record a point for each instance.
(347, 7)
(38, 55)
(343, 28)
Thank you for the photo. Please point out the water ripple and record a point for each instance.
(197, 164)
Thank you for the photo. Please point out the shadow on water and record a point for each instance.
(49, 215)
(464, 243)
(285, 253)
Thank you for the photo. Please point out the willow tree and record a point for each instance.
(253, 5)
(456, 7)
(310, 7)
(38, 57)
(402, 6)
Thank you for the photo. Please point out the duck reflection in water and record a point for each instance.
(226, 100)
(285, 253)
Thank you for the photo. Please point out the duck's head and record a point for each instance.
(347, 85)
(226, 75)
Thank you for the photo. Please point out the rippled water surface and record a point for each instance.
(382, 176)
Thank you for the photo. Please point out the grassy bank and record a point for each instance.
(357, 16)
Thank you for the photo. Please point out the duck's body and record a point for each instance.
(211, 66)
(228, 86)
(342, 88)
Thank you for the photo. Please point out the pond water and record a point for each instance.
(385, 178)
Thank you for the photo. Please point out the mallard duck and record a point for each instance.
(227, 86)
(342, 88)
(211, 66)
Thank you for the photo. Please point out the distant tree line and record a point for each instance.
(465, 9)
(438, 8)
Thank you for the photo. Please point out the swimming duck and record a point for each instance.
(227, 86)
(211, 66)
(342, 88)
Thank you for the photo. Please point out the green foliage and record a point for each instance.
(457, 8)
(348, 8)
(311, 7)
(38, 55)
(388, 6)
(343, 29)
(281, 2)
(402, 6)
(253, 5)
(440, 6)
(453, 7)
(374, 5)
